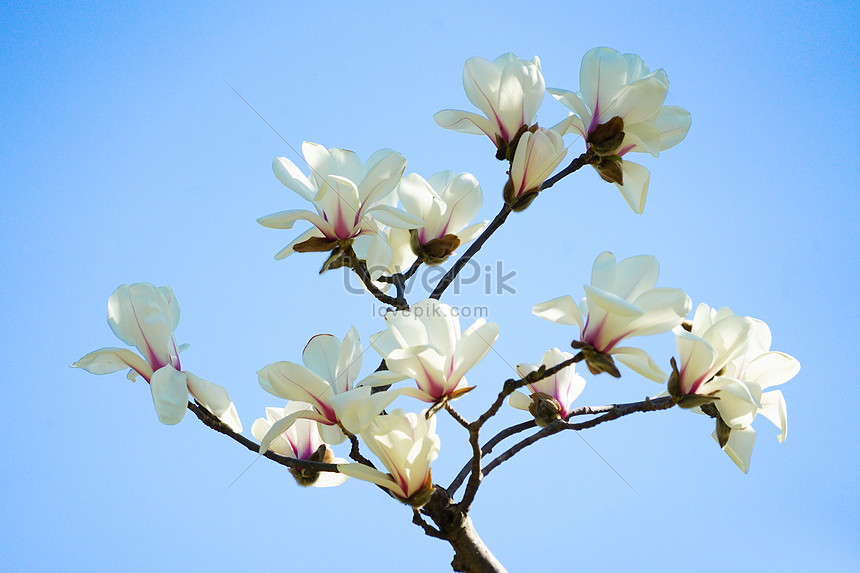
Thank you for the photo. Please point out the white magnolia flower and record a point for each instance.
(508, 91)
(552, 396)
(145, 316)
(536, 157)
(302, 441)
(613, 85)
(620, 302)
(425, 343)
(728, 357)
(447, 203)
(351, 199)
(407, 444)
(326, 382)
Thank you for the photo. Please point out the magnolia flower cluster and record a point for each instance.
(725, 365)
(425, 344)
(619, 109)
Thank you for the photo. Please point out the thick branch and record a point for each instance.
(455, 526)
(452, 273)
(210, 420)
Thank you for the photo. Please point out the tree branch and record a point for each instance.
(361, 270)
(210, 420)
(452, 273)
(612, 413)
(575, 165)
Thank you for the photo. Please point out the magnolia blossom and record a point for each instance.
(326, 382)
(619, 109)
(727, 358)
(407, 444)
(508, 90)
(447, 203)
(425, 343)
(351, 199)
(145, 316)
(552, 396)
(621, 302)
(301, 441)
(536, 157)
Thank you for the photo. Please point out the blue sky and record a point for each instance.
(126, 157)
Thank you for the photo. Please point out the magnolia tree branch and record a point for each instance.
(360, 269)
(575, 165)
(612, 413)
(452, 273)
(210, 420)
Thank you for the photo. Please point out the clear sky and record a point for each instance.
(126, 157)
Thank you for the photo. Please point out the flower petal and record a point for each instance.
(561, 310)
(169, 394)
(109, 360)
(215, 399)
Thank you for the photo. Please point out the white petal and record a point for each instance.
(739, 447)
(635, 187)
(290, 175)
(169, 394)
(215, 399)
(562, 310)
(465, 122)
(773, 408)
(363, 472)
(109, 360)
(639, 361)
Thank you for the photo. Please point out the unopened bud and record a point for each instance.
(606, 138)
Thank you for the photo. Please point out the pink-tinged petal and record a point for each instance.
(142, 316)
(773, 408)
(365, 473)
(474, 345)
(169, 394)
(425, 364)
(673, 123)
(293, 382)
(382, 176)
(292, 177)
(696, 358)
(635, 187)
(465, 122)
(338, 199)
(739, 447)
(109, 360)
(348, 362)
(603, 72)
(641, 138)
(481, 83)
(284, 424)
(215, 399)
(521, 89)
(639, 361)
(320, 355)
(562, 310)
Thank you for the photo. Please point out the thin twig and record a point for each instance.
(614, 412)
(210, 420)
(361, 270)
(456, 415)
(575, 165)
(428, 529)
(355, 453)
(487, 449)
(452, 273)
